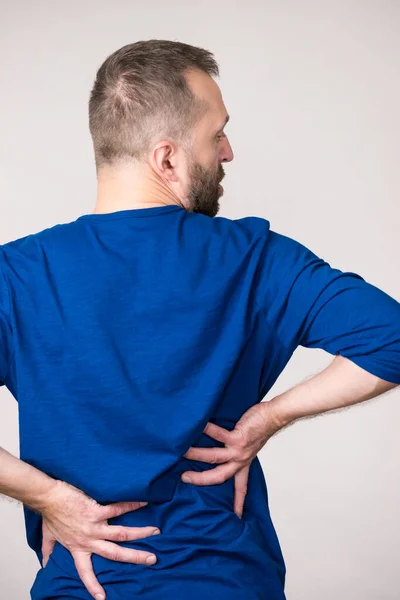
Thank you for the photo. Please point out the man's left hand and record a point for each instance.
(242, 445)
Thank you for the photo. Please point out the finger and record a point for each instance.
(210, 455)
(119, 553)
(241, 479)
(213, 476)
(119, 508)
(218, 433)
(83, 563)
(117, 533)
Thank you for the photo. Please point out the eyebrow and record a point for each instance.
(225, 122)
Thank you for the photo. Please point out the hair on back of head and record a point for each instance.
(140, 95)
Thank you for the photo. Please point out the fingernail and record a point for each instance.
(100, 597)
(156, 532)
(151, 560)
(186, 479)
(143, 503)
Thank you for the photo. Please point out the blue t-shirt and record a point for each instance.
(123, 334)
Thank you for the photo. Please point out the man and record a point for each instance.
(140, 339)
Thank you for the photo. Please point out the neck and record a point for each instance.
(126, 188)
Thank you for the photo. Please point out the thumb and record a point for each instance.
(241, 479)
(49, 541)
(47, 549)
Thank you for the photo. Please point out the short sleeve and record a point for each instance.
(312, 304)
(5, 327)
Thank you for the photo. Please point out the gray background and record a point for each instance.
(313, 92)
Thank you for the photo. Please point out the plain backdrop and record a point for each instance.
(313, 91)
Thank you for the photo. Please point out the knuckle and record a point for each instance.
(220, 479)
(237, 454)
(141, 558)
(242, 454)
(114, 555)
(83, 571)
(84, 533)
(238, 434)
(241, 442)
(121, 535)
(247, 455)
(131, 556)
(80, 541)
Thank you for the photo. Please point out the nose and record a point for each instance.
(227, 152)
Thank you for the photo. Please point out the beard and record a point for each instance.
(203, 195)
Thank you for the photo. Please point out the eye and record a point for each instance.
(220, 136)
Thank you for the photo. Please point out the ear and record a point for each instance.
(165, 160)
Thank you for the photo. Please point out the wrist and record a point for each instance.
(42, 498)
(278, 411)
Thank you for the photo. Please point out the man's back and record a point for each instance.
(132, 330)
(123, 334)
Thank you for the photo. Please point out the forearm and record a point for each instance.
(23, 482)
(341, 384)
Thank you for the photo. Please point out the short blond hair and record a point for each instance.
(140, 94)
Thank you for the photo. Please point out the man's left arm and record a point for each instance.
(310, 303)
(316, 305)
(307, 302)
(342, 384)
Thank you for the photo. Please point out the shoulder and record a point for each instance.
(38, 238)
(250, 227)
(278, 246)
(235, 233)
(279, 254)
(24, 252)
(288, 254)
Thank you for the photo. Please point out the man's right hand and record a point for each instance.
(79, 523)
